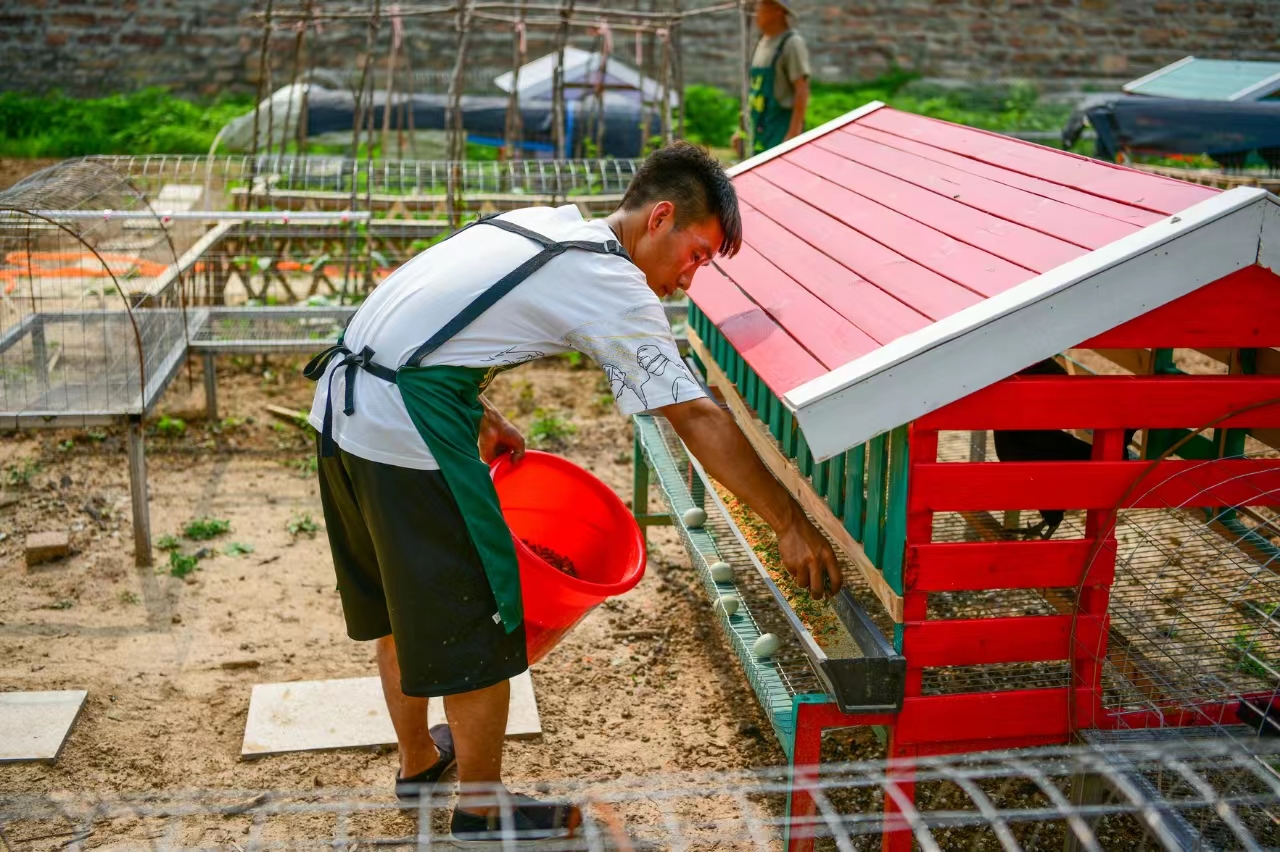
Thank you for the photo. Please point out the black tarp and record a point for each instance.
(1227, 131)
(329, 111)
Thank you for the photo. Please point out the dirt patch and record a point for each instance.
(169, 661)
(14, 169)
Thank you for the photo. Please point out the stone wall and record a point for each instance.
(203, 47)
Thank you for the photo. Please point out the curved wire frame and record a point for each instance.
(79, 223)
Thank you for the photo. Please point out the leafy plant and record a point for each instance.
(524, 400)
(202, 529)
(1249, 658)
(238, 548)
(96, 437)
(180, 565)
(710, 115)
(168, 542)
(19, 475)
(171, 427)
(67, 445)
(550, 429)
(302, 524)
(129, 598)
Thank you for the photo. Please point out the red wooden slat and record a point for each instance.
(999, 237)
(924, 290)
(973, 268)
(1046, 215)
(827, 335)
(871, 309)
(985, 715)
(1151, 192)
(1095, 484)
(979, 566)
(1067, 195)
(1239, 310)
(781, 363)
(1112, 402)
(982, 641)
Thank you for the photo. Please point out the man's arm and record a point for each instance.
(713, 436)
(799, 107)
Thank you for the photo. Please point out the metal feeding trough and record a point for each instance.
(857, 670)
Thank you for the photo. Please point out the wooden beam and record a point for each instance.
(787, 473)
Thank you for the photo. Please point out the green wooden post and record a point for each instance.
(639, 483)
(821, 480)
(788, 438)
(803, 458)
(836, 487)
(855, 495)
(1159, 440)
(872, 525)
(895, 530)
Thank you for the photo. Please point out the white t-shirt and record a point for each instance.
(597, 304)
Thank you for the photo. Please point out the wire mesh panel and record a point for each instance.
(91, 315)
(1165, 795)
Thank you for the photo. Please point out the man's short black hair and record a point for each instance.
(691, 179)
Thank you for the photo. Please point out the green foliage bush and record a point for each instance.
(710, 116)
(150, 121)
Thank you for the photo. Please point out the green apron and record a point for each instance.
(444, 404)
(770, 119)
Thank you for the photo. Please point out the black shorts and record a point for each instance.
(407, 568)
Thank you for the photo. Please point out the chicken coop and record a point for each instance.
(1033, 401)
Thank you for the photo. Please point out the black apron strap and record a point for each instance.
(508, 282)
(777, 54)
(363, 360)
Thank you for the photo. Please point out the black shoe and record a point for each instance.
(530, 825)
(410, 789)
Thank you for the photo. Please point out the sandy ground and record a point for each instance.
(13, 170)
(166, 712)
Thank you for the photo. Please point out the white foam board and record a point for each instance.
(34, 725)
(314, 715)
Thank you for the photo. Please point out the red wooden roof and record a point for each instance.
(887, 224)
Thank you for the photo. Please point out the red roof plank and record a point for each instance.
(1046, 215)
(924, 290)
(999, 237)
(864, 304)
(777, 359)
(825, 334)
(1067, 195)
(970, 267)
(1149, 192)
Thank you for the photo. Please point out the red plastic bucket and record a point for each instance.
(553, 503)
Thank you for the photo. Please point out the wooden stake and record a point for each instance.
(457, 140)
(748, 130)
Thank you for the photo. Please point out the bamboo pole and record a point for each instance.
(748, 130)
(515, 120)
(391, 86)
(457, 141)
(257, 107)
(558, 110)
(606, 47)
(665, 107)
(293, 84)
(677, 44)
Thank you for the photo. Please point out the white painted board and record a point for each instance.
(34, 725)
(314, 715)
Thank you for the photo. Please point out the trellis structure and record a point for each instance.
(560, 18)
(896, 273)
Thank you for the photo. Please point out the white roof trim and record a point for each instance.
(803, 138)
(995, 338)
(1269, 240)
(1262, 88)
(1159, 72)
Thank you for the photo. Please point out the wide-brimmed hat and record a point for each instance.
(786, 5)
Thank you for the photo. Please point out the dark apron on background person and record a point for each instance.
(770, 119)
(444, 404)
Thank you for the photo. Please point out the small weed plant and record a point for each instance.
(171, 427)
(19, 475)
(203, 529)
(550, 429)
(302, 524)
(238, 548)
(180, 565)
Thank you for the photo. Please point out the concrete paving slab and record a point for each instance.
(34, 725)
(351, 713)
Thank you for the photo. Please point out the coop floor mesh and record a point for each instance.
(1121, 796)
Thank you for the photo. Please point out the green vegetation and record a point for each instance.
(1250, 659)
(550, 429)
(151, 121)
(129, 598)
(302, 525)
(238, 548)
(19, 475)
(181, 565)
(170, 427)
(203, 529)
(168, 541)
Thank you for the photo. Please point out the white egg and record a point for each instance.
(728, 603)
(766, 646)
(722, 572)
(694, 518)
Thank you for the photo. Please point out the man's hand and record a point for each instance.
(808, 556)
(713, 436)
(498, 436)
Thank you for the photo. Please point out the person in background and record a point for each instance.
(780, 72)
